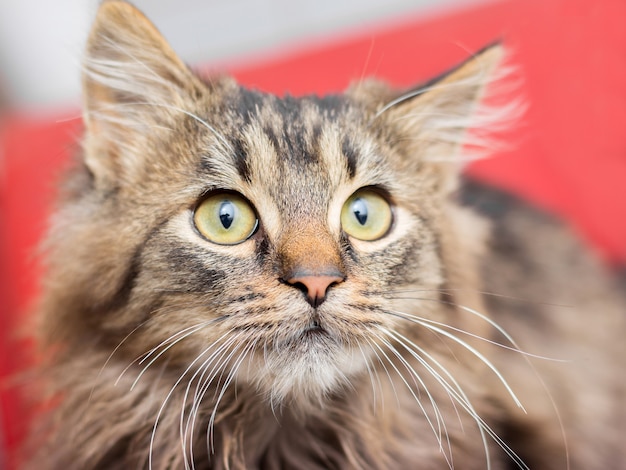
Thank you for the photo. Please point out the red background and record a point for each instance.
(569, 155)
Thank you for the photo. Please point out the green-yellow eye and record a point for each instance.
(366, 215)
(225, 218)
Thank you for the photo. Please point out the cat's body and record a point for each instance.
(346, 325)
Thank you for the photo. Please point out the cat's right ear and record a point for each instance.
(446, 122)
(132, 80)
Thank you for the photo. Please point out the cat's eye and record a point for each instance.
(366, 215)
(225, 218)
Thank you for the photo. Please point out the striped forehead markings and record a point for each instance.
(350, 153)
(293, 126)
(241, 159)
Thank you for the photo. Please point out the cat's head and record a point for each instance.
(228, 227)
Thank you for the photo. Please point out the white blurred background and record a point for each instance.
(41, 41)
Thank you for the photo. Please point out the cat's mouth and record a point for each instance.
(312, 336)
(305, 364)
(314, 330)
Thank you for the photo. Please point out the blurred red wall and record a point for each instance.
(569, 155)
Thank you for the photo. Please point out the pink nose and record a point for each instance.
(314, 286)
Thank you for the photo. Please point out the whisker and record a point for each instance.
(370, 375)
(531, 365)
(459, 396)
(447, 387)
(476, 353)
(201, 391)
(119, 345)
(366, 64)
(204, 384)
(445, 290)
(183, 335)
(374, 348)
(202, 370)
(515, 348)
(219, 136)
(411, 391)
(166, 400)
(441, 426)
(229, 379)
(140, 359)
(391, 294)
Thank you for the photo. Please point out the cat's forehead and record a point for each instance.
(299, 129)
(300, 148)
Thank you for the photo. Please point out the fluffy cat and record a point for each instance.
(237, 280)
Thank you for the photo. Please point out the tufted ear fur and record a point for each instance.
(132, 81)
(439, 117)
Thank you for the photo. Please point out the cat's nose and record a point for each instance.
(315, 286)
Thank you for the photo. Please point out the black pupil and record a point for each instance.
(227, 214)
(359, 207)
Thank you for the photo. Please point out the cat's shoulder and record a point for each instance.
(533, 252)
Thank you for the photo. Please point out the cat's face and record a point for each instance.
(289, 275)
(305, 284)
(263, 239)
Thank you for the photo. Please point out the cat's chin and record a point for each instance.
(304, 372)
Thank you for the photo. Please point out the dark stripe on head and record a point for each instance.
(123, 294)
(297, 148)
(248, 297)
(271, 135)
(351, 156)
(247, 104)
(347, 249)
(241, 158)
(206, 165)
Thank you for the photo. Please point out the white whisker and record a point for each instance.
(457, 393)
(201, 388)
(119, 345)
(168, 396)
(374, 347)
(515, 348)
(441, 425)
(478, 355)
(411, 391)
(466, 404)
(183, 334)
(229, 379)
(371, 375)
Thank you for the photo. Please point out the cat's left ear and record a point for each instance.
(433, 120)
(132, 81)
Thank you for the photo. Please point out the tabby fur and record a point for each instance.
(167, 351)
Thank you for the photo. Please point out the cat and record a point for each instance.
(236, 280)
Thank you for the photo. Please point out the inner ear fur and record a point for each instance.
(132, 81)
(126, 56)
(432, 119)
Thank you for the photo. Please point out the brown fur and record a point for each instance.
(146, 324)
